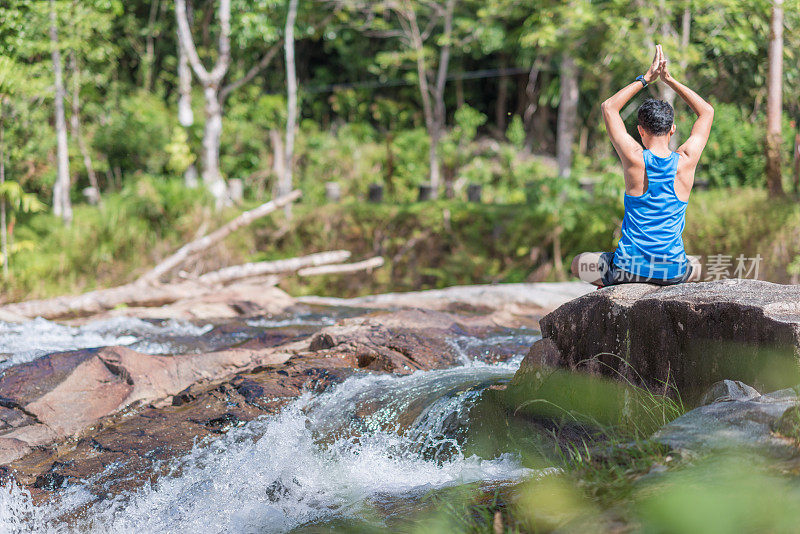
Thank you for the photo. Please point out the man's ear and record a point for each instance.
(641, 130)
(673, 129)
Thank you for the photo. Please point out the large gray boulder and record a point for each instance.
(688, 336)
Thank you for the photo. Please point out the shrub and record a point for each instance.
(137, 134)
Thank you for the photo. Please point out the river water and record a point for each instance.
(366, 446)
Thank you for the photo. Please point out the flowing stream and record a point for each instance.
(372, 442)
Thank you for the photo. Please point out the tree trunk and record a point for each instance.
(212, 133)
(796, 156)
(567, 115)
(61, 202)
(278, 165)
(211, 82)
(366, 265)
(427, 107)
(150, 46)
(3, 227)
(501, 104)
(185, 112)
(285, 184)
(431, 124)
(439, 110)
(75, 125)
(250, 270)
(775, 101)
(531, 105)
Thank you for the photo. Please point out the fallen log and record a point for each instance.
(105, 299)
(138, 295)
(190, 249)
(249, 270)
(366, 265)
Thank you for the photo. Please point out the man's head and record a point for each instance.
(656, 119)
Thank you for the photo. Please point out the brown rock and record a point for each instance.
(80, 393)
(689, 336)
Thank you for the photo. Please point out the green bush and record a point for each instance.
(734, 155)
(137, 133)
(105, 245)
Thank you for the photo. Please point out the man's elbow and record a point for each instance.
(707, 111)
(605, 107)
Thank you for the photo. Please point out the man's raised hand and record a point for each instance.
(659, 63)
(664, 71)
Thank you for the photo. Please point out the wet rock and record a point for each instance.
(50, 481)
(514, 298)
(183, 397)
(223, 422)
(278, 490)
(242, 298)
(11, 449)
(322, 341)
(250, 390)
(174, 401)
(744, 424)
(689, 335)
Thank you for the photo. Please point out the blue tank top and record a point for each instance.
(651, 244)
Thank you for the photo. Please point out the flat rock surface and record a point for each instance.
(689, 335)
(511, 304)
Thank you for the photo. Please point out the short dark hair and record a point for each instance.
(656, 116)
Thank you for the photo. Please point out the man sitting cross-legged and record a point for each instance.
(658, 182)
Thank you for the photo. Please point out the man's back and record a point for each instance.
(658, 183)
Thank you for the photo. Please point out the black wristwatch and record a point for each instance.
(640, 78)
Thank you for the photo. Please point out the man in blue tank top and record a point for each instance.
(658, 182)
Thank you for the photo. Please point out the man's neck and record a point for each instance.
(660, 146)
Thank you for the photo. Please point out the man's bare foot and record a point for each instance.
(588, 267)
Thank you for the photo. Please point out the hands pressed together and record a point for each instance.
(659, 67)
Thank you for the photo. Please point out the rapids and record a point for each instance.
(368, 443)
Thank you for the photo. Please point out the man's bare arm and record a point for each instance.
(701, 129)
(626, 146)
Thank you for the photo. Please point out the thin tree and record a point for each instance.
(415, 34)
(775, 101)
(61, 202)
(285, 181)
(75, 127)
(185, 112)
(567, 114)
(211, 82)
(3, 227)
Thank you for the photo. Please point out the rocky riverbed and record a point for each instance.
(243, 354)
(251, 410)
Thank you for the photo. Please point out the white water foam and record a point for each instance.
(297, 320)
(24, 342)
(319, 459)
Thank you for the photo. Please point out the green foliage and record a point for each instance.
(105, 245)
(734, 155)
(137, 133)
(180, 154)
(18, 200)
(516, 132)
